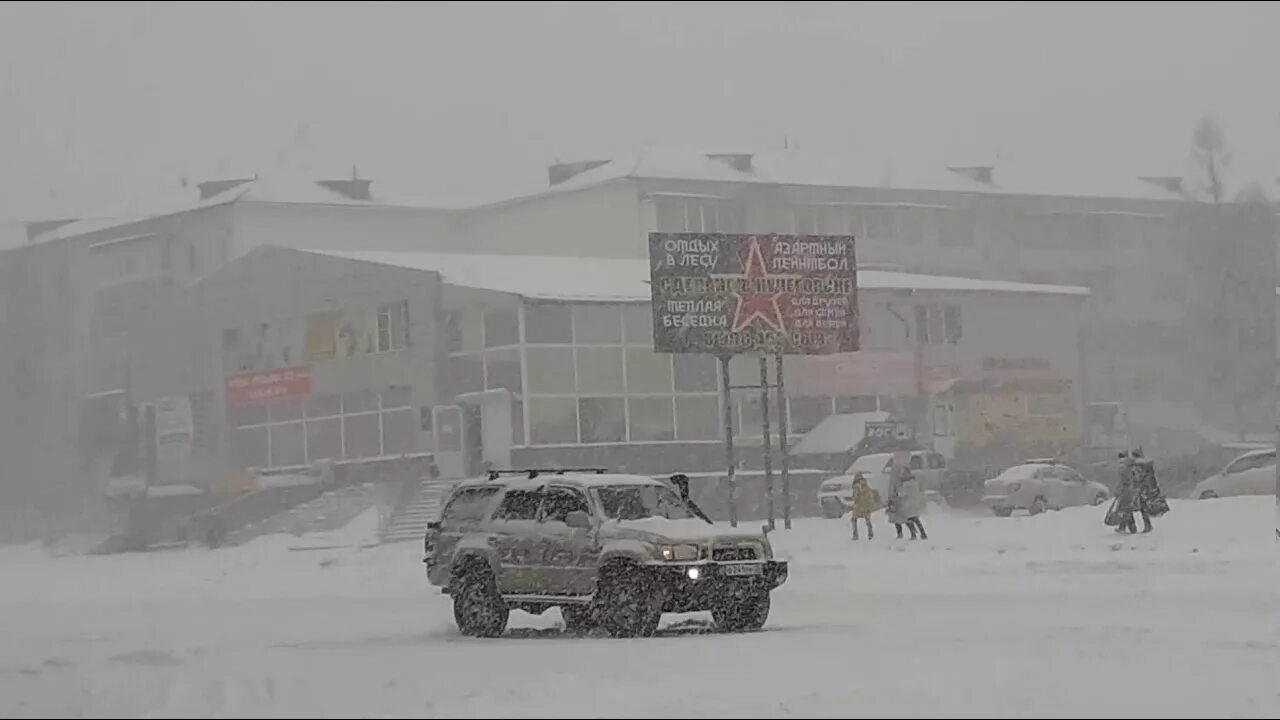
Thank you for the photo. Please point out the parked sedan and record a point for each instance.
(1253, 473)
(1039, 486)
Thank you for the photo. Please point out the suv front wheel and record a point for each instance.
(627, 604)
(742, 614)
(478, 609)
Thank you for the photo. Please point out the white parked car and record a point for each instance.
(1253, 473)
(835, 495)
(1039, 486)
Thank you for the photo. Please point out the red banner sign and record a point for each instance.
(256, 387)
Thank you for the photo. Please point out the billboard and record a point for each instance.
(727, 294)
(256, 387)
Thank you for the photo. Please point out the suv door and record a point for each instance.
(569, 555)
(514, 529)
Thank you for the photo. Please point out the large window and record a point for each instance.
(547, 323)
(697, 417)
(393, 326)
(502, 370)
(690, 214)
(938, 324)
(501, 327)
(553, 420)
(647, 371)
(600, 370)
(550, 370)
(591, 376)
(651, 419)
(597, 325)
(290, 432)
(696, 373)
(602, 419)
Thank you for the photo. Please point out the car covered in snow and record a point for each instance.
(1253, 473)
(612, 551)
(835, 494)
(1040, 485)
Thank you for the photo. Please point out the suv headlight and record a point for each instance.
(680, 553)
(1015, 487)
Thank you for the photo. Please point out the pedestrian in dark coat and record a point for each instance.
(1129, 495)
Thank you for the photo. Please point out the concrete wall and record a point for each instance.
(601, 221)
(346, 227)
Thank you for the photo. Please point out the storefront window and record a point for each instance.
(250, 447)
(697, 417)
(597, 324)
(647, 371)
(546, 323)
(651, 419)
(324, 439)
(399, 432)
(696, 373)
(362, 436)
(287, 445)
(599, 370)
(467, 374)
(503, 369)
(553, 421)
(501, 327)
(602, 420)
(637, 322)
(550, 369)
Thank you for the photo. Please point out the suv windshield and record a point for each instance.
(637, 502)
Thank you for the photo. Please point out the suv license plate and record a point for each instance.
(740, 570)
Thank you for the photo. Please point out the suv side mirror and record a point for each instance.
(578, 519)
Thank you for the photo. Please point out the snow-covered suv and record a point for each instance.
(613, 551)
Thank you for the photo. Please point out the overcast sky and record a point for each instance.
(107, 106)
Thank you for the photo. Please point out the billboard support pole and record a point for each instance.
(765, 446)
(782, 446)
(731, 463)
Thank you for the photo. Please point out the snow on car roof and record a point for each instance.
(1024, 469)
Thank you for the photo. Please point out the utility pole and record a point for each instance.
(765, 446)
(729, 459)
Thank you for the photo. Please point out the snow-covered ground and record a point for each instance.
(1029, 616)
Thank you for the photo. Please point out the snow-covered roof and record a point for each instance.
(788, 167)
(627, 280)
(274, 189)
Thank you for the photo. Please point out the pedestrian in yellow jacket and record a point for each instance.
(865, 501)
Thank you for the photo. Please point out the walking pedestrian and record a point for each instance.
(865, 501)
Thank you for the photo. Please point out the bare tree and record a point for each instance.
(1210, 161)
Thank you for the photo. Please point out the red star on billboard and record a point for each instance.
(753, 305)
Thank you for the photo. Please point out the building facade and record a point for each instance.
(1175, 329)
(543, 361)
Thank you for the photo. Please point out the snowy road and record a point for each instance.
(1045, 616)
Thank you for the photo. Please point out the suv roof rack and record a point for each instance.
(535, 472)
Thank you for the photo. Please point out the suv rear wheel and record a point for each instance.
(478, 609)
(627, 604)
(742, 614)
